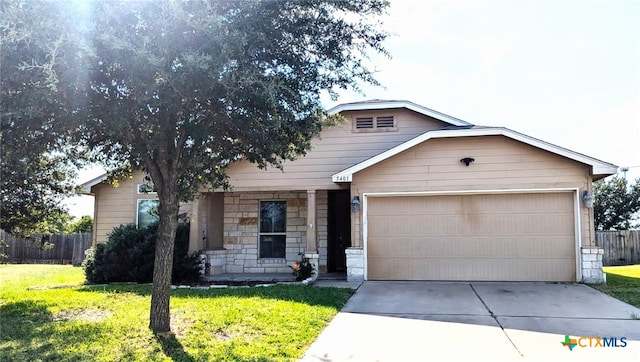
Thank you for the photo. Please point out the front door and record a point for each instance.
(338, 230)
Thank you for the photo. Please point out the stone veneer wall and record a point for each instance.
(591, 264)
(355, 264)
(240, 254)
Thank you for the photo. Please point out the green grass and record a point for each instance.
(623, 282)
(110, 323)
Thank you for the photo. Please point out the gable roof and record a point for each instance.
(86, 186)
(391, 104)
(599, 167)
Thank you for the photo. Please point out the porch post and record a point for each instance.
(195, 234)
(312, 246)
(311, 250)
(355, 254)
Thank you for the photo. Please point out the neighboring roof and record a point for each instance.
(86, 186)
(390, 104)
(599, 167)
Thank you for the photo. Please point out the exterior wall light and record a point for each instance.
(588, 199)
(467, 160)
(355, 204)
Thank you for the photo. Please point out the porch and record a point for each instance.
(244, 234)
(268, 277)
(331, 280)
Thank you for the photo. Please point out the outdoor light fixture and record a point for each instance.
(467, 160)
(355, 204)
(588, 199)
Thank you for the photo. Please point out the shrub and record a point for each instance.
(302, 269)
(128, 256)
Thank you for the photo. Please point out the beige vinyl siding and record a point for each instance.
(338, 148)
(500, 163)
(116, 206)
(505, 237)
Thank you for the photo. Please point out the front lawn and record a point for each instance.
(41, 321)
(623, 282)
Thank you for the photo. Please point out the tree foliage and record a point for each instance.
(181, 89)
(32, 187)
(616, 203)
(84, 225)
(37, 167)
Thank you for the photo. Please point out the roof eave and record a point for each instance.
(85, 188)
(598, 167)
(605, 170)
(363, 106)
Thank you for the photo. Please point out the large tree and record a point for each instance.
(37, 167)
(32, 186)
(181, 89)
(616, 203)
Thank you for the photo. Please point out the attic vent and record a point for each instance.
(364, 123)
(375, 124)
(384, 122)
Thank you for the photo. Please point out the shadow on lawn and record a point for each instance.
(172, 348)
(21, 323)
(33, 331)
(327, 297)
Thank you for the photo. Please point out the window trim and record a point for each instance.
(374, 118)
(138, 208)
(260, 233)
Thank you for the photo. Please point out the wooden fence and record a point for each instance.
(45, 249)
(620, 247)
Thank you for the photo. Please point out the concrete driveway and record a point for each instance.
(479, 321)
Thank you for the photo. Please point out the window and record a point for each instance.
(147, 189)
(147, 212)
(273, 229)
(374, 124)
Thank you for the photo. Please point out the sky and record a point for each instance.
(564, 71)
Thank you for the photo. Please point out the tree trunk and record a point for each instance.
(160, 319)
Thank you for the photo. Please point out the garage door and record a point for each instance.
(506, 237)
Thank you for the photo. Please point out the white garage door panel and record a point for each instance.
(445, 225)
(482, 270)
(477, 247)
(472, 237)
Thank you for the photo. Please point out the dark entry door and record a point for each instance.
(338, 230)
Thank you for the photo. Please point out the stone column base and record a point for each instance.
(591, 264)
(217, 260)
(314, 259)
(355, 264)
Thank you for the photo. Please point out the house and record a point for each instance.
(397, 191)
